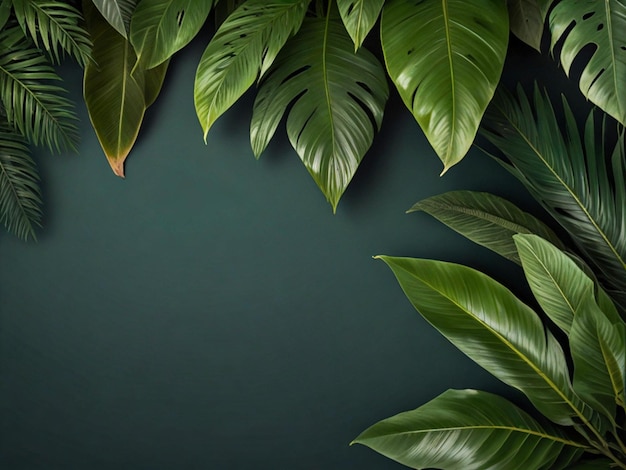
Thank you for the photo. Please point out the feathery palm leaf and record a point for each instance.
(33, 104)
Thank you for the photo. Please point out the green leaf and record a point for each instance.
(578, 190)
(595, 464)
(581, 24)
(116, 99)
(526, 20)
(488, 220)
(160, 28)
(118, 13)
(55, 26)
(33, 104)
(359, 16)
(445, 57)
(243, 48)
(599, 352)
(20, 198)
(469, 429)
(5, 12)
(491, 326)
(338, 101)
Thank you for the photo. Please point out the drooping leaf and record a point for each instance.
(527, 20)
(55, 26)
(569, 177)
(602, 26)
(470, 429)
(243, 48)
(490, 325)
(338, 101)
(116, 99)
(359, 16)
(599, 352)
(20, 198)
(160, 28)
(5, 12)
(445, 57)
(33, 104)
(118, 13)
(488, 220)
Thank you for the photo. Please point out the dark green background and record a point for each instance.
(210, 312)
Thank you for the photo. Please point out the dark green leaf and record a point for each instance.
(526, 21)
(595, 464)
(118, 13)
(5, 12)
(359, 16)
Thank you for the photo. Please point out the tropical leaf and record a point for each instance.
(338, 101)
(5, 12)
(359, 16)
(527, 20)
(470, 429)
(55, 26)
(488, 220)
(118, 13)
(581, 24)
(490, 325)
(116, 99)
(160, 28)
(595, 464)
(224, 8)
(33, 104)
(568, 177)
(445, 57)
(20, 198)
(599, 352)
(243, 48)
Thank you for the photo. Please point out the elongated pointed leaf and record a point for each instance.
(160, 28)
(445, 57)
(595, 464)
(20, 198)
(602, 25)
(338, 101)
(359, 16)
(488, 220)
(568, 176)
(490, 325)
(599, 352)
(527, 20)
(5, 12)
(116, 99)
(118, 13)
(469, 429)
(242, 49)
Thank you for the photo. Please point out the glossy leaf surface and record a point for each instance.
(243, 48)
(600, 25)
(117, 13)
(359, 16)
(527, 20)
(445, 58)
(338, 99)
(469, 429)
(488, 220)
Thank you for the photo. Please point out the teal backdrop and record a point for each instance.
(210, 312)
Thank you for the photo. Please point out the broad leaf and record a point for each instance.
(469, 429)
(488, 220)
(116, 99)
(359, 16)
(243, 48)
(160, 28)
(568, 177)
(20, 198)
(599, 352)
(581, 24)
(118, 13)
(55, 26)
(33, 104)
(338, 99)
(490, 325)
(445, 57)
(527, 20)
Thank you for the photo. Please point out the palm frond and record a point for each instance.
(20, 198)
(34, 105)
(55, 26)
(568, 175)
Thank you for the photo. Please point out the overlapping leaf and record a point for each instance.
(445, 57)
(488, 220)
(359, 16)
(118, 13)
(601, 25)
(338, 101)
(527, 20)
(469, 429)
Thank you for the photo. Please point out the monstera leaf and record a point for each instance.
(359, 17)
(445, 57)
(581, 24)
(338, 99)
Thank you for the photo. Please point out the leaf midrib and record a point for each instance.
(446, 20)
